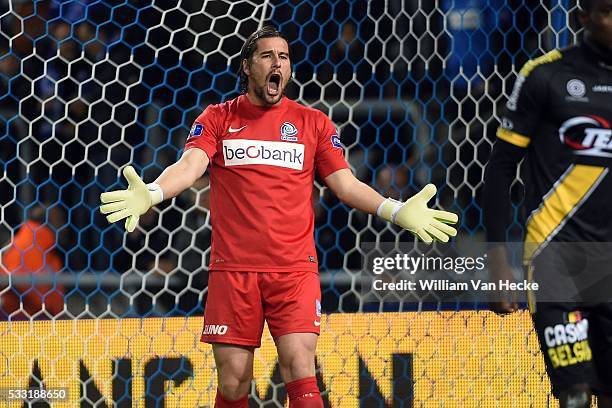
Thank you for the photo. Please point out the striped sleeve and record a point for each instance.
(527, 101)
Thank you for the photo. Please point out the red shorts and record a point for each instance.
(239, 302)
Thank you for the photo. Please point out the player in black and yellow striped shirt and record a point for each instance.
(558, 119)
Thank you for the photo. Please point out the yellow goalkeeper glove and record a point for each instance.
(130, 203)
(416, 217)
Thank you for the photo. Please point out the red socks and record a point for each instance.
(221, 402)
(304, 393)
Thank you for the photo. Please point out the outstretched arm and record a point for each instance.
(352, 192)
(140, 197)
(181, 175)
(412, 215)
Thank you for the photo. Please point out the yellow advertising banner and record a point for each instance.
(434, 359)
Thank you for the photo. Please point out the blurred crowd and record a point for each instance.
(86, 88)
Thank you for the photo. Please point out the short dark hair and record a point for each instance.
(249, 47)
(587, 5)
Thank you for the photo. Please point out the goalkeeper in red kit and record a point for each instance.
(263, 149)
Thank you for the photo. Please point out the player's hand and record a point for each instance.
(503, 308)
(424, 222)
(130, 203)
(502, 302)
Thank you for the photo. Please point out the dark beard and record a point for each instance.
(261, 94)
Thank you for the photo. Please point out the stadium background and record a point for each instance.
(415, 88)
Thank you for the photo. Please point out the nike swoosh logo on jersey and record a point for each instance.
(234, 130)
(317, 323)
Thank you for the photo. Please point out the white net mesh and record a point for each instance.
(91, 86)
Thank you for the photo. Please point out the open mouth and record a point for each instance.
(274, 84)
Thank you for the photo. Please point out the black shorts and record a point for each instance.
(576, 340)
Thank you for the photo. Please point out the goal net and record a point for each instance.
(113, 319)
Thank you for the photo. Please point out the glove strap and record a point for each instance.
(156, 193)
(388, 209)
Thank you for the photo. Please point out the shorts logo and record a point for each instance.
(575, 88)
(317, 321)
(196, 130)
(567, 344)
(288, 132)
(335, 141)
(240, 152)
(574, 317)
(219, 329)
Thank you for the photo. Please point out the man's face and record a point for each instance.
(269, 70)
(598, 23)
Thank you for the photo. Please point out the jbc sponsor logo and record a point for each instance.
(239, 152)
